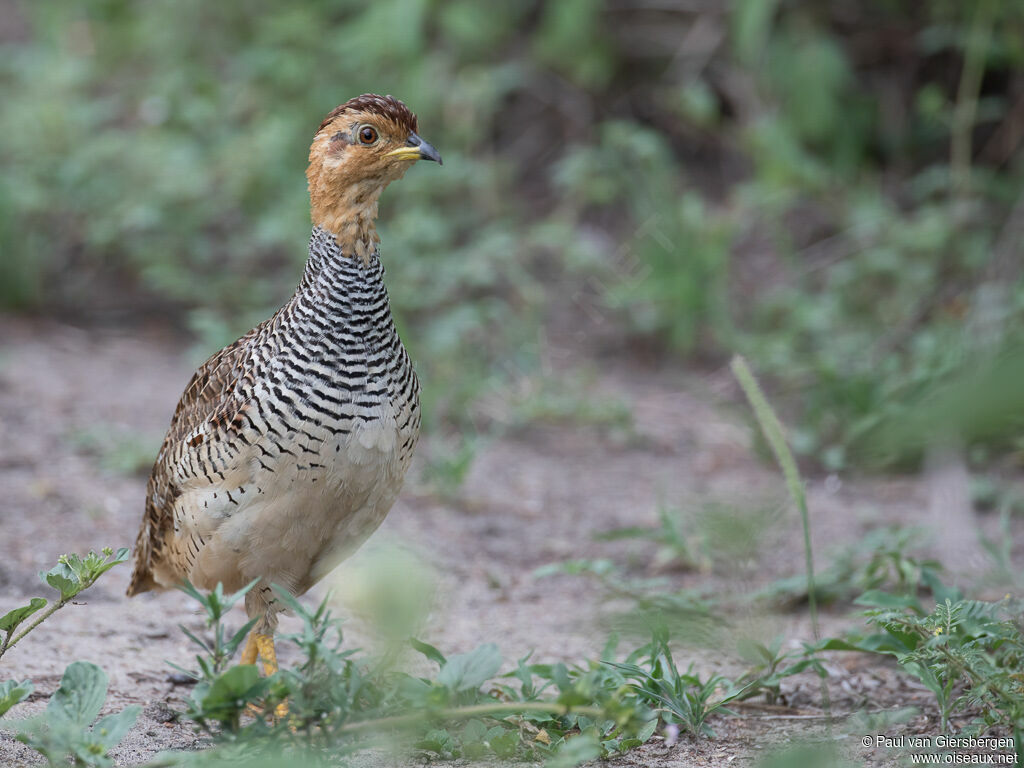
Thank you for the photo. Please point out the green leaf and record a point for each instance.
(109, 731)
(876, 598)
(474, 730)
(428, 650)
(230, 692)
(940, 592)
(12, 619)
(474, 734)
(505, 744)
(234, 597)
(437, 740)
(98, 569)
(574, 751)
(882, 642)
(468, 671)
(63, 579)
(926, 676)
(647, 730)
(236, 640)
(752, 22)
(81, 694)
(838, 644)
(12, 692)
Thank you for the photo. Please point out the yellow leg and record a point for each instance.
(251, 650)
(265, 645)
(262, 646)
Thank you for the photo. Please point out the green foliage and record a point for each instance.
(680, 697)
(769, 666)
(10, 620)
(72, 575)
(881, 560)
(347, 700)
(968, 653)
(68, 730)
(667, 277)
(13, 692)
(840, 218)
(62, 733)
(217, 654)
(468, 671)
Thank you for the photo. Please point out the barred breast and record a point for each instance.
(289, 446)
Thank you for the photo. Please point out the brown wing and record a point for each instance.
(211, 399)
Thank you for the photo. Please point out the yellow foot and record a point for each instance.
(260, 646)
(280, 711)
(251, 651)
(265, 647)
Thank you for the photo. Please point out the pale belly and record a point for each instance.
(292, 523)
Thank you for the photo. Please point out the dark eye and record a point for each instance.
(367, 134)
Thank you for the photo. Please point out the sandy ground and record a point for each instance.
(69, 396)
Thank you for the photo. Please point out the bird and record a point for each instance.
(290, 445)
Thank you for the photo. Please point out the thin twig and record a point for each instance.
(475, 710)
(39, 620)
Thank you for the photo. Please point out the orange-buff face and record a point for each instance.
(361, 147)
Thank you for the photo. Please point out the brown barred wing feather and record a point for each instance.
(211, 401)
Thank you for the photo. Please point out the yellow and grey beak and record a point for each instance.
(416, 149)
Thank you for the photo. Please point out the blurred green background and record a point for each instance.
(831, 188)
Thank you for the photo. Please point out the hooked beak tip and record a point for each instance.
(427, 152)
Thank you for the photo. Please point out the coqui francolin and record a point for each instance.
(290, 445)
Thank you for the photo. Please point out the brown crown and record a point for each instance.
(386, 106)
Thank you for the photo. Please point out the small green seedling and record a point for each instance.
(216, 656)
(12, 692)
(63, 733)
(70, 577)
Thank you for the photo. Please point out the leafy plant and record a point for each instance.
(62, 732)
(68, 729)
(13, 692)
(769, 666)
(344, 700)
(216, 655)
(71, 576)
(881, 560)
(968, 653)
(679, 697)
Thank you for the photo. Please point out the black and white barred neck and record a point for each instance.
(326, 255)
(341, 297)
(332, 354)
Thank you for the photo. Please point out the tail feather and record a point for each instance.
(142, 581)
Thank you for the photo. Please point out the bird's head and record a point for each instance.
(361, 147)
